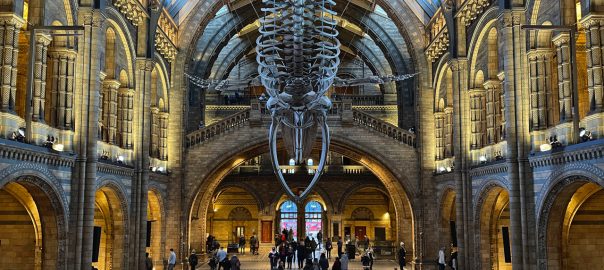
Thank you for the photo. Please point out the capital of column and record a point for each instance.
(448, 110)
(439, 115)
(126, 91)
(561, 39)
(58, 52)
(535, 54)
(476, 92)
(145, 64)
(458, 64)
(9, 18)
(102, 76)
(91, 16)
(154, 110)
(592, 21)
(510, 18)
(111, 84)
(492, 84)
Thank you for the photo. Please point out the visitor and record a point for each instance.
(242, 244)
(226, 263)
(290, 255)
(291, 235)
(283, 252)
(209, 243)
(365, 261)
(313, 248)
(344, 261)
(294, 248)
(273, 257)
(315, 264)
(323, 262)
(235, 263)
(337, 265)
(253, 245)
(171, 260)
(441, 259)
(371, 257)
(148, 262)
(367, 242)
(308, 264)
(328, 247)
(193, 260)
(281, 266)
(453, 260)
(213, 262)
(221, 256)
(319, 239)
(301, 250)
(402, 252)
(340, 244)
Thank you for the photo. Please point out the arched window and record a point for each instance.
(292, 162)
(313, 218)
(289, 217)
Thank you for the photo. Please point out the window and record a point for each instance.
(289, 217)
(313, 218)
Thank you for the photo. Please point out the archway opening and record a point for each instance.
(30, 226)
(448, 220)
(494, 230)
(154, 229)
(575, 227)
(109, 230)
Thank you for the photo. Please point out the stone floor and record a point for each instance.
(261, 262)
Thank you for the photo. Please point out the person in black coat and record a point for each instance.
(301, 249)
(402, 252)
(193, 260)
(323, 262)
(340, 244)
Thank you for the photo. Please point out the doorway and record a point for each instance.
(360, 232)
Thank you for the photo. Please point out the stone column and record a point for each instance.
(109, 117)
(448, 132)
(10, 25)
(163, 135)
(593, 26)
(439, 130)
(61, 69)
(540, 75)
(477, 118)
(42, 40)
(561, 41)
(154, 146)
(126, 115)
(493, 111)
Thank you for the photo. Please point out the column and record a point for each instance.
(540, 88)
(125, 115)
(493, 112)
(154, 147)
(439, 128)
(592, 25)
(163, 135)
(42, 40)
(448, 132)
(477, 118)
(561, 41)
(10, 26)
(109, 117)
(61, 65)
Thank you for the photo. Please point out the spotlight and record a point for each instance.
(449, 169)
(441, 169)
(585, 135)
(545, 147)
(153, 168)
(482, 159)
(58, 147)
(120, 159)
(160, 169)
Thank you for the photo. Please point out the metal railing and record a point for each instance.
(229, 123)
(366, 120)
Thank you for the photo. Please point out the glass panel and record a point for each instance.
(313, 207)
(289, 206)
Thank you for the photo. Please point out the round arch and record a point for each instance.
(200, 200)
(156, 215)
(491, 213)
(111, 215)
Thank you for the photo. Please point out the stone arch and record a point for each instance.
(111, 214)
(553, 214)
(483, 28)
(444, 74)
(240, 213)
(447, 215)
(247, 188)
(47, 210)
(120, 27)
(492, 205)
(349, 193)
(199, 198)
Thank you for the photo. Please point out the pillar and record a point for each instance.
(42, 40)
(163, 135)
(61, 66)
(477, 118)
(540, 88)
(109, 118)
(562, 43)
(448, 132)
(10, 25)
(593, 26)
(125, 116)
(439, 130)
(493, 111)
(154, 147)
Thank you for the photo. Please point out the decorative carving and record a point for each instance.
(471, 10)
(362, 213)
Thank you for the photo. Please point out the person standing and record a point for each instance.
(328, 247)
(371, 257)
(344, 261)
(313, 248)
(235, 263)
(242, 244)
(252, 245)
(337, 265)
(319, 238)
(273, 257)
(441, 259)
(453, 260)
(301, 250)
(290, 255)
(340, 244)
(323, 263)
(171, 260)
(193, 260)
(402, 252)
(148, 262)
(221, 256)
(365, 261)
